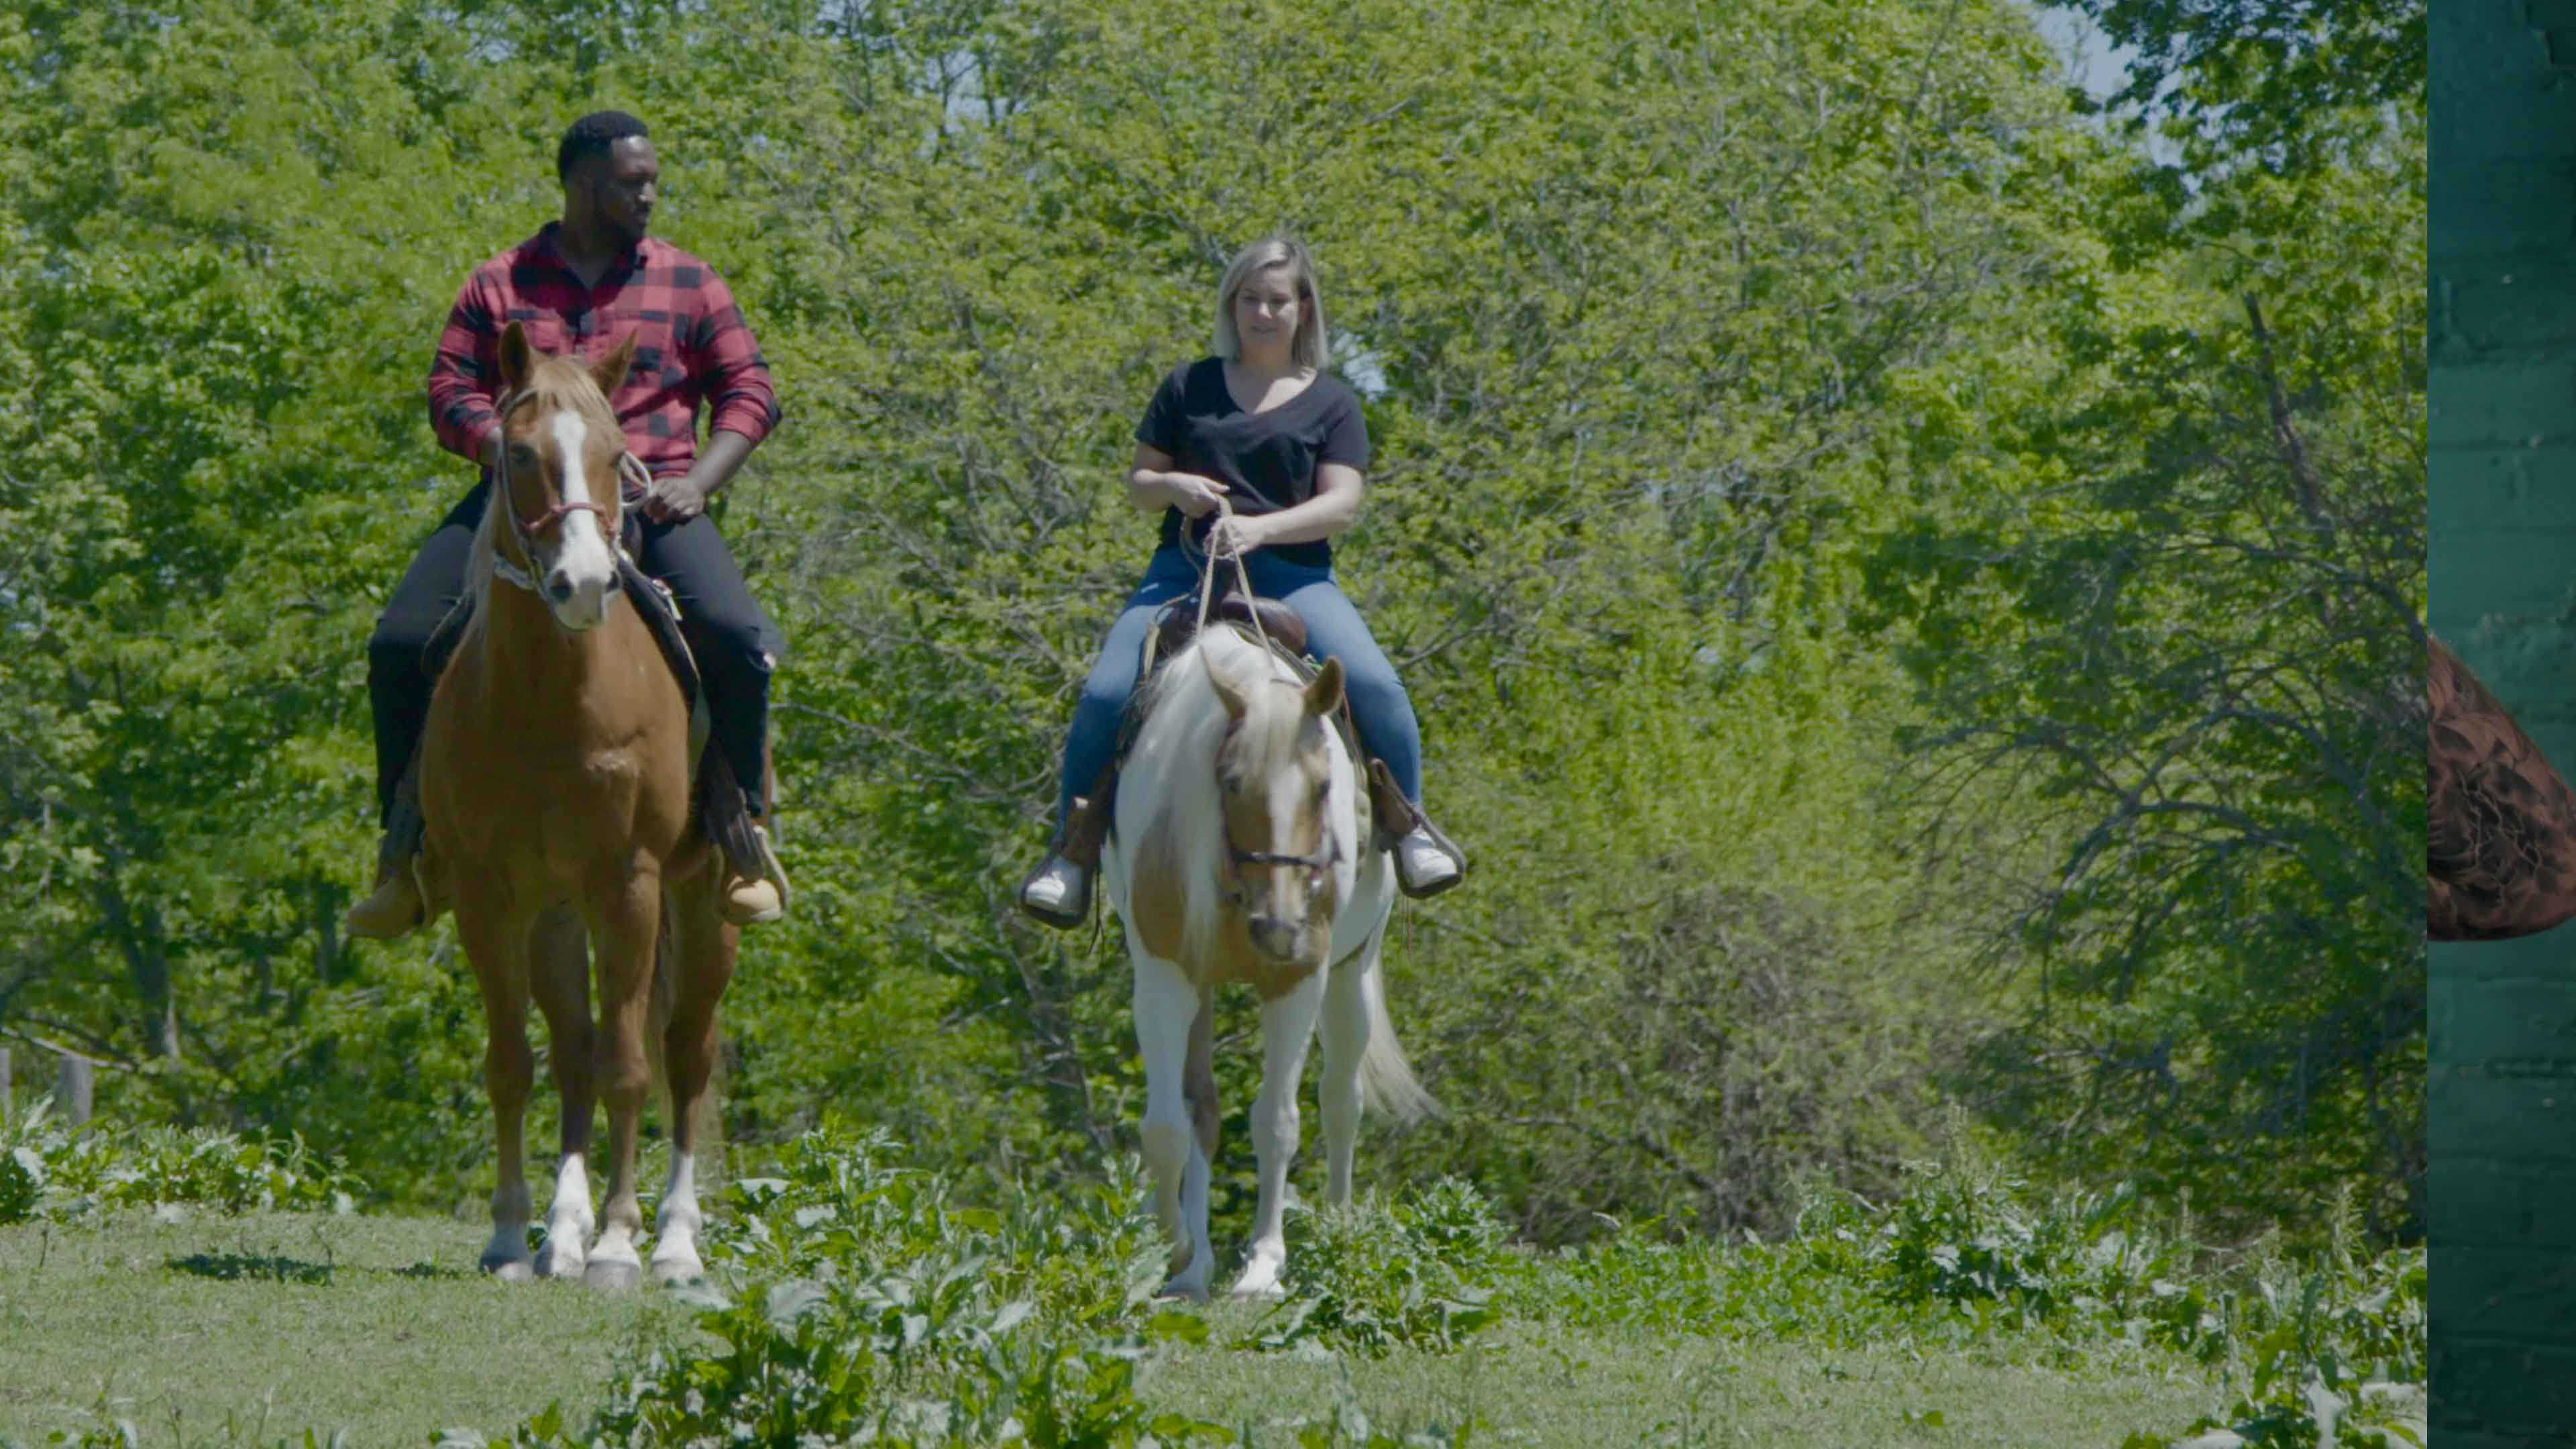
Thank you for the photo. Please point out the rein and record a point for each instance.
(1327, 855)
(525, 531)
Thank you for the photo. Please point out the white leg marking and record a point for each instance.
(1287, 1025)
(1346, 1041)
(676, 1224)
(1166, 1004)
(568, 1221)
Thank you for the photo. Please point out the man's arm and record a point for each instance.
(742, 404)
(460, 397)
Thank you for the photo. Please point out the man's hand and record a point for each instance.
(676, 498)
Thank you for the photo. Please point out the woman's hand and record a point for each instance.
(1195, 496)
(1236, 535)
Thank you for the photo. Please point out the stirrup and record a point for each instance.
(1064, 906)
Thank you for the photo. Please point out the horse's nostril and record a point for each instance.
(1273, 934)
(559, 587)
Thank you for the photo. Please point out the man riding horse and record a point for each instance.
(579, 287)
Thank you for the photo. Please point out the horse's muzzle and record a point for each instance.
(1278, 939)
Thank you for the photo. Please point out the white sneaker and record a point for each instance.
(1423, 867)
(1057, 893)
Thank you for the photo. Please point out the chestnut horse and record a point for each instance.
(555, 780)
(1242, 853)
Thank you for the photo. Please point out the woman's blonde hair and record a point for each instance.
(1306, 349)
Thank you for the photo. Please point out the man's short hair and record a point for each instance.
(592, 135)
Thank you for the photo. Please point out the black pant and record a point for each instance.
(733, 639)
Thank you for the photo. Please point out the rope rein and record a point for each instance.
(1207, 581)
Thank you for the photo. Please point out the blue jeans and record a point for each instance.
(1380, 711)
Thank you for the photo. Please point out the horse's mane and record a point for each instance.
(554, 384)
(1184, 724)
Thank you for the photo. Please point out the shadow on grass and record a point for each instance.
(252, 1267)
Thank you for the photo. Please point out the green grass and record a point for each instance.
(213, 1329)
(254, 1329)
(1529, 1384)
(854, 1298)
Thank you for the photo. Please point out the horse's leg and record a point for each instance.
(498, 948)
(1287, 1025)
(702, 960)
(1166, 1004)
(630, 922)
(1198, 1089)
(559, 977)
(1346, 1042)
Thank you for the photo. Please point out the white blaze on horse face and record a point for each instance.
(584, 560)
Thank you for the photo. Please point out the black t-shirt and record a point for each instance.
(1266, 461)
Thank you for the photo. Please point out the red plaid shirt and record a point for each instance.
(691, 344)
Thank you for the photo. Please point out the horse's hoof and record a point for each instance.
(678, 1272)
(550, 1265)
(1177, 1291)
(610, 1276)
(508, 1270)
(1259, 1293)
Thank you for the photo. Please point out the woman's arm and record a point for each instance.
(1153, 486)
(1336, 503)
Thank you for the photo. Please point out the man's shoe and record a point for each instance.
(1057, 893)
(755, 900)
(393, 912)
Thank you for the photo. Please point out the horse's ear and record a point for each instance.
(516, 361)
(610, 371)
(1324, 694)
(1231, 697)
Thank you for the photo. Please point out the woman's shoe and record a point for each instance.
(1057, 893)
(1427, 862)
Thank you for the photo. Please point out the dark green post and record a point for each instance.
(2502, 1114)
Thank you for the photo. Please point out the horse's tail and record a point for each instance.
(1386, 1078)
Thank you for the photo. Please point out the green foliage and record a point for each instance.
(53, 1172)
(2263, 79)
(1413, 1274)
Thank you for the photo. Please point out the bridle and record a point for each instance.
(1316, 863)
(526, 531)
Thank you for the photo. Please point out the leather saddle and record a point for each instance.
(1179, 623)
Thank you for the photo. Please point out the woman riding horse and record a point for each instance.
(1261, 427)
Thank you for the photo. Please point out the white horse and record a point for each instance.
(1241, 853)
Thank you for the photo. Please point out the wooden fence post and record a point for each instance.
(71, 1091)
(8, 1108)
